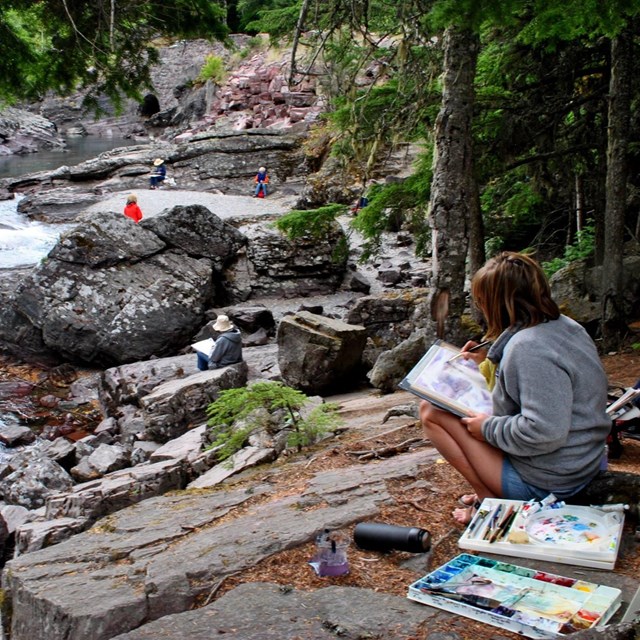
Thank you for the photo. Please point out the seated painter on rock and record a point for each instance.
(158, 174)
(548, 430)
(227, 349)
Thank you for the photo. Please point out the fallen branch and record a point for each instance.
(216, 587)
(415, 505)
(385, 452)
(442, 538)
(384, 433)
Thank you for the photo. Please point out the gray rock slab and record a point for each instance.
(118, 490)
(262, 611)
(173, 407)
(187, 447)
(164, 555)
(243, 459)
(130, 382)
(32, 536)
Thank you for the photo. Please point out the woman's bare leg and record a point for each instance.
(478, 462)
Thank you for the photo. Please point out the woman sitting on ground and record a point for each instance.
(548, 430)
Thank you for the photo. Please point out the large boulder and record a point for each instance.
(175, 406)
(319, 355)
(276, 266)
(198, 232)
(110, 292)
(393, 365)
(388, 318)
(577, 288)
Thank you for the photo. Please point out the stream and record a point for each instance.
(25, 242)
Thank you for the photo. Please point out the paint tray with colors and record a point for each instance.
(529, 602)
(569, 534)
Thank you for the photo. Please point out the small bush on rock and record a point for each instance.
(266, 406)
(213, 69)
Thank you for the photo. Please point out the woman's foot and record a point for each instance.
(468, 500)
(464, 515)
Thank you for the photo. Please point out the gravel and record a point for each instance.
(153, 202)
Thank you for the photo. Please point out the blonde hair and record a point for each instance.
(512, 289)
(132, 198)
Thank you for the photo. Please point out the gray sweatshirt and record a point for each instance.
(227, 349)
(549, 405)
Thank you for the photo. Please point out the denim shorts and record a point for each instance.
(515, 488)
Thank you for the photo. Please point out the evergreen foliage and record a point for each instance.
(540, 122)
(104, 46)
(315, 223)
(237, 413)
(397, 205)
(213, 69)
(582, 248)
(276, 17)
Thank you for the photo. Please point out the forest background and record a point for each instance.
(526, 112)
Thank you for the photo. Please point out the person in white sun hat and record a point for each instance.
(158, 174)
(227, 349)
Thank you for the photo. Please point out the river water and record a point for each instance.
(25, 242)
(78, 150)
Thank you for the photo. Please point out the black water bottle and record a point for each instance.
(377, 536)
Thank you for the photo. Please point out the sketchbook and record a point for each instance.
(532, 603)
(204, 346)
(457, 386)
(557, 532)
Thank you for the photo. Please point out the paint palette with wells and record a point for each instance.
(569, 534)
(529, 602)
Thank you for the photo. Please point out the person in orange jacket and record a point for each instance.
(261, 180)
(132, 210)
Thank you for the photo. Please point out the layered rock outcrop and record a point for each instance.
(24, 132)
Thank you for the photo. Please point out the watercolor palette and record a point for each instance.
(569, 534)
(529, 602)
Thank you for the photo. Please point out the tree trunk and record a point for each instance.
(302, 16)
(613, 321)
(477, 255)
(453, 191)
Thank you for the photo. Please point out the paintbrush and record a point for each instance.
(476, 348)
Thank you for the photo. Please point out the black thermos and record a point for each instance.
(377, 536)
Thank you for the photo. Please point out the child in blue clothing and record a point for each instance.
(261, 180)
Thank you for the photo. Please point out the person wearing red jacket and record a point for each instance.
(132, 210)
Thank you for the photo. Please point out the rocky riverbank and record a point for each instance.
(152, 538)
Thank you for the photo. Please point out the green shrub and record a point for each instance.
(316, 223)
(237, 413)
(313, 222)
(213, 69)
(583, 247)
